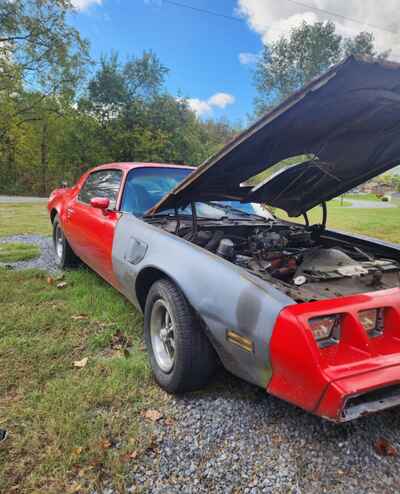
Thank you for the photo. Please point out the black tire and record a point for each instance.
(195, 360)
(65, 256)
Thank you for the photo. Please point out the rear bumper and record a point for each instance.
(360, 395)
(356, 376)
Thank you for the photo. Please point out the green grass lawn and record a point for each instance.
(24, 218)
(70, 426)
(18, 251)
(362, 197)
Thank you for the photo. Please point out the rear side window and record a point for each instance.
(104, 183)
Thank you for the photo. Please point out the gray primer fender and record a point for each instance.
(225, 296)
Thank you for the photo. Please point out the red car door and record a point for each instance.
(89, 230)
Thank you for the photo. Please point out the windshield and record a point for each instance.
(145, 187)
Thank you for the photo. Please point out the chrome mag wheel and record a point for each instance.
(59, 242)
(162, 332)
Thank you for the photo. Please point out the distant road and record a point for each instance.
(21, 199)
(359, 203)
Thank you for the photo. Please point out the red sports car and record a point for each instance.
(310, 314)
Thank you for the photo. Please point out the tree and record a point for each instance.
(115, 86)
(145, 75)
(107, 91)
(362, 45)
(38, 45)
(39, 52)
(308, 50)
(125, 114)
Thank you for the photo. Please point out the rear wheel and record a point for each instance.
(181, 357)
(65, 256)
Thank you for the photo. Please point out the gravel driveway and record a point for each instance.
(238, 439)
(233, 437)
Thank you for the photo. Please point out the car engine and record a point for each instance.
(296, 260)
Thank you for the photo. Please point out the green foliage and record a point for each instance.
(39, 50)
(124, 114)
(362, 45)
(308, 50)
(55, 123)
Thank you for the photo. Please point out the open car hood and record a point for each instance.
(348, 120)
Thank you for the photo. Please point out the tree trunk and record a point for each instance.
(45, 155)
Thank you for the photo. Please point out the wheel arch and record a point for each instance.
(53, 214)
(145, 279)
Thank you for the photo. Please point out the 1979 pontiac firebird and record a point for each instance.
(311, 315)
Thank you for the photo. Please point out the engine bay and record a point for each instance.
(296, 259)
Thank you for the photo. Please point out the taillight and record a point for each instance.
(372, 321)
(326, 329)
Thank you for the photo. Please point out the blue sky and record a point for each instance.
(209, 56)
(202, 51)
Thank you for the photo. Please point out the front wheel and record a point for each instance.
(65, 256)
(181, 357)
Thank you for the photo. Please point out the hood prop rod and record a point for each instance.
(324, 214)
(194, 220)
(178, 219)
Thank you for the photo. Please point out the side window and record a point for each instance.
(144, 187)
(104, 183)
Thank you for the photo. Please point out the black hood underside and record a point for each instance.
(348, 120)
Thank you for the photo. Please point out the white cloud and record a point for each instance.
(199, 106)
(205, 107)
(221, 100)
(246, 58)
(274, 19)
(85, 4)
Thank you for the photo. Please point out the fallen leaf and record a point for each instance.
(75, 487)
(50, 280)
(77, 451)
(119, 340)
(79, 317)
(130, 456)
(81, 363)
(105, 444)
(384, 448)
(63, 284)
(152, 415)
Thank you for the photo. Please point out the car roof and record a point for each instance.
(131, 165)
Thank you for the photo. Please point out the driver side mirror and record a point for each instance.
(102, 203)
